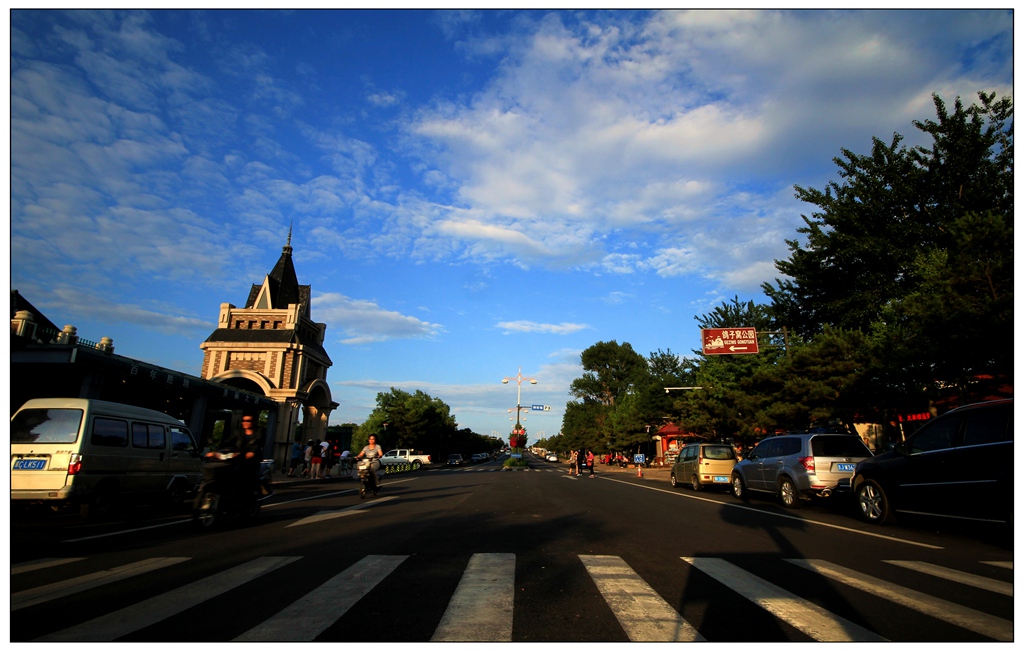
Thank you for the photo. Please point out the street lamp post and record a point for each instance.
(519, 379)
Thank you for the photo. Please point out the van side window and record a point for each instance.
(181, 440)
(986, 426)
(146, 435)
(109, 432)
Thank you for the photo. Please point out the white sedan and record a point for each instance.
(551, 457)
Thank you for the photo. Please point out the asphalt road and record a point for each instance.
(477, 554)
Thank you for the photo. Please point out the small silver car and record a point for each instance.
(797, 466)
(703, 464)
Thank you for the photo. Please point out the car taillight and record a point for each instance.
(428, 458)
(75, 464)
(807, 462)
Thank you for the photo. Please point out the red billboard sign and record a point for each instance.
(729, 341)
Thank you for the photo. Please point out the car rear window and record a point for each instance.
(46, 426)
(718, 452)
(842, 445)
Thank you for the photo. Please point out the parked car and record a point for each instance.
(798, 466)
(959, 465)
(551, 457)
(455, 460)
(479, 457)
(703, 464)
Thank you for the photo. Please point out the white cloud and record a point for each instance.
(657, 127)
(363, 321)
(545, 328)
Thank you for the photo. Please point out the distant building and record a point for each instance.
(52, 362)
(273, 347)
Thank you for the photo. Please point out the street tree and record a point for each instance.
(914, 248)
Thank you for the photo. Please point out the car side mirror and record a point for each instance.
(900, 448)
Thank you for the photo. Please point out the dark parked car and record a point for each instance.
(795, 466)
(959, 465)
(455, 460)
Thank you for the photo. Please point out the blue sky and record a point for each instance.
(470, 192)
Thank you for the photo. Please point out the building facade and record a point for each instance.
(272, 346)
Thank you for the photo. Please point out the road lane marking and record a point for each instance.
(481, 608)
(776, 515)
(947, 611)
(809, 618)
(965, 578)
(77, 584)
(38, 564)
(265, 506)
(156, 609)
(642, 613)
(1006, 565)
(311, 615)
(330, 515)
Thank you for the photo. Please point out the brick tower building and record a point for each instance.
(272, 346)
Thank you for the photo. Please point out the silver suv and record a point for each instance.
(797, 466)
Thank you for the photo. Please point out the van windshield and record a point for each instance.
(46, 426)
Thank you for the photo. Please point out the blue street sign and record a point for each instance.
(537, 407)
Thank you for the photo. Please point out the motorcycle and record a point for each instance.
(368, 481)
(231, 487)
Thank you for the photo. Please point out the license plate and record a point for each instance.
(29, 464)
(845, 467)
(721, 479)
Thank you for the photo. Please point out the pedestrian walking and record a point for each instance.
(325, 459)
(307, 458)
(315, 459)
(296, 458)
(572, 462)
(590, 463)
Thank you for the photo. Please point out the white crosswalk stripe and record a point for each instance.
(641, 612)
(44, 593)
(39, 564)
(309, 616)
(481, 608)
(965, 578)
(811, 619)
(138, 616)
(961, 616)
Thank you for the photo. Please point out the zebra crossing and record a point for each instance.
(482, 606)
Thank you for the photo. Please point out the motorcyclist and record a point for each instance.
(373, 453)
(244, 453)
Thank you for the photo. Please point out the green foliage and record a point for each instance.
(914, 248)
(419, 422)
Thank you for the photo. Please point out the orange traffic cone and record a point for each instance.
(639, 470)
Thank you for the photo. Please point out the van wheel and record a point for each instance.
(672, 480)
(176, 496)
(789, 494)
(695, 483)
(98, 506)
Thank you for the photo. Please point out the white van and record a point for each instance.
(92, 454)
